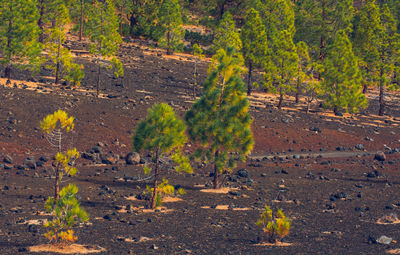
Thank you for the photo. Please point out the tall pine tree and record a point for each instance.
(255, 47)
(367, 30)
(388, 55)
(104, 36)
(226, 34)
(341, 77)
(19, 34)
(171, 21)
(220, 120)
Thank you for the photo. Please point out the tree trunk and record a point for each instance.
(298, 85)
(156, 176)
(365, 85)
(168, 43)
(280, 99)
(7, 73)
(98, 81)
(41, 23)
(58, 61)
(57, 183)
(216, 180)
(381, 96)
(81, 22)
(249, 82)
(308, 107)
(195, 79)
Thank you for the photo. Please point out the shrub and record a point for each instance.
(274, 226)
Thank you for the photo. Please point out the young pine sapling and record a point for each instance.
(162, 134)
(198, 55)
(275, 226)
(53, 126)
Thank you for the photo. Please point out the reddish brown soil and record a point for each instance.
(305, 186)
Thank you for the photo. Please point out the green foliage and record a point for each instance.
(275, 226)
(255, 47)
(104, 36)
(341, 77)
(367, 31)
(162, 134)
(198, 54)
(66, 162)
(61, 60)
(303, 68)
(164, 189)
(318, 21)
(226, 34)
(58, 120)
(171, 22)
(19, 34)
(144, 19)
(282, 67)
(66, 212)
(220, 120)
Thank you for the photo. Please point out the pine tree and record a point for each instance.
(303, 67)
(318, 21)
(103, 27)
(19, 34)
(226, 34)
(198, 55)
(220, 120)
(60, 57)
(388, 55)
(171, 21)
(162, 134)
(341, 77)
(255, 47)
(367, 29)
(144, 19)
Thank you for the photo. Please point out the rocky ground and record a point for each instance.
(322, 170)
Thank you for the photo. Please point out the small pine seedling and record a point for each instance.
(164, 189)
(274, 226)
(66, 212)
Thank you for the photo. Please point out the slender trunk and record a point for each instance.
(132, 23)
(57, 183)
(280, 98)
(365, 85)
(41, 23)
(168, 42)
(250, 83)
(98, 81)
(381, 96)
(81, 21)
(7, 71)
(216, 180)
(195, 78)
(156, 176)
(58, 61)
(298, 85)
(308, 107)
(322, 39)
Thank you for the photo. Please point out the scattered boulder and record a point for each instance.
(384, 240)
(108, 159)
(30, 162)
(373, 174)
(359, 147)
(8, 159)
(315, 129)
(243, 173)
(132, 158)
(380, 156)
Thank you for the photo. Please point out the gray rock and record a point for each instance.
(380, 156)
(384, 240)
(243, 173)
(132, 158)
(359, 147)
(30, 162)
(108, 159)
(8, 159)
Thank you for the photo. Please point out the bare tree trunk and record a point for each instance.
(249, 81)
(7, 71)
(81, 21)
(58, 61)
(57, 183)
(40, 22)
(195, 78)
(168, 42)
(280, 99)
(216, 179)
(298, 86)
(156, 176)
(381, 96)
(98, 80)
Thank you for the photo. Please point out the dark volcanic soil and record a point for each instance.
(334, 203)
